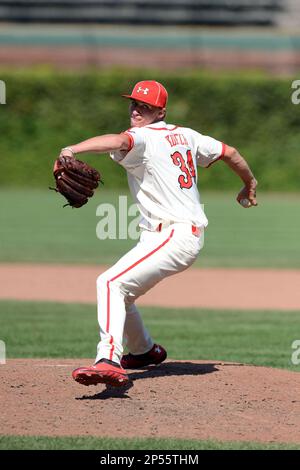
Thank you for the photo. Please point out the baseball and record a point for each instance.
(245, 203)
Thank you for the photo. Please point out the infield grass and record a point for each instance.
(93, 443)
(38, 329)
(34, 227)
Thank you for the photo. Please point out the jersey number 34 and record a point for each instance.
(185, 180)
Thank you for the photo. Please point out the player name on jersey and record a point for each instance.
(176, 139)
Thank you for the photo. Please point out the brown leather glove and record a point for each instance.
(75, 180)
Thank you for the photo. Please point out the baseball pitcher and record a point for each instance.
(161, 162)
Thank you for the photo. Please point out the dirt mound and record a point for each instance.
(180, 399)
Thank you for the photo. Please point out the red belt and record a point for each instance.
(195, 230)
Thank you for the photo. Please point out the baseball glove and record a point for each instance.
(75, 180)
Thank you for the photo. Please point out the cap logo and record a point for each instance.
(144, 90)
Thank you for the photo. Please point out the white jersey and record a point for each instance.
(161, 165)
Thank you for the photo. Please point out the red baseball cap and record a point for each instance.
(150, 92)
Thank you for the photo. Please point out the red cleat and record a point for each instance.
(104, 372)
(156, 355)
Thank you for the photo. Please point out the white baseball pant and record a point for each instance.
(157, 255)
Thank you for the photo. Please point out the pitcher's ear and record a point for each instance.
(162, 113)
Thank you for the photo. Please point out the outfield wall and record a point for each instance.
(46, 110)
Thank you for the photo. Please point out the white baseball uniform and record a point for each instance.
(161, 166)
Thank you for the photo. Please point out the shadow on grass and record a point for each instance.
(167, 369)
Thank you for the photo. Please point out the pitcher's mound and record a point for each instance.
(180, 399)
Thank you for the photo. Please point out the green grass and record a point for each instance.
(35, 228)
(36, 329)
(93, 443)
